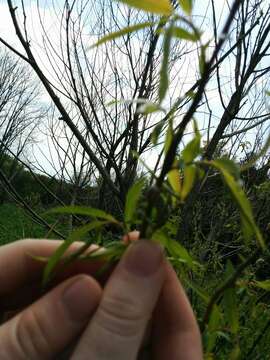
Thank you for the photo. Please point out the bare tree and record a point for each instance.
(82, 81)
(238, 116)
(19, 110)
(246, 70)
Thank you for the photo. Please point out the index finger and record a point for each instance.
(18, 268)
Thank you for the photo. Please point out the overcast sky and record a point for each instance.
(50, 12)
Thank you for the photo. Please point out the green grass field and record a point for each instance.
(15, 224)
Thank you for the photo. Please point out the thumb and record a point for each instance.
(116, 330)
(45, 328)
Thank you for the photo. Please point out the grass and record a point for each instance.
(15, 224)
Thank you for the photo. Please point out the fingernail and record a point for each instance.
(143, 258)
(79, 299)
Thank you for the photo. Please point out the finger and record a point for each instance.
(49, 325)
(175, 335)
(131, 236)
(21, 298)
(18, 268)
(117, 328)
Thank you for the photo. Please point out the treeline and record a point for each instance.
(211, 225)
(39, 190)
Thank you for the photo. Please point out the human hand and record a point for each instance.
(143, 287)
(46, 323)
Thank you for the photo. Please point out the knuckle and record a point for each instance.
(31, 337)
(120, 315)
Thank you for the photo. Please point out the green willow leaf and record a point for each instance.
(193, 148)
(175, 180)
(178, 251)
(230, 303)
(236, 352)
(74, 236)
(230, 166)
(186, 5)
(111, 256)
(213, 326)
(156, 132)
(175, 250)
(265, 285)
(247, 228)
(82, 210)
(149, 108)
(132, 199)
(112, 252)
(164, 78)
(42, 259)
(202, 59)
(161, 237)
(169, 137)
(231, 309)
(160, 7)
(183, 34)
(189, 180)
(151, 172)
(248, 223)
(124, 31)
(199, 291)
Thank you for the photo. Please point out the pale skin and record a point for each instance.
(142, 305)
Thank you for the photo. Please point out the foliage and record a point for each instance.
(219, 314)
(15, 224)
(221, 261)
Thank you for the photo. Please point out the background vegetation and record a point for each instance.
(113, 112)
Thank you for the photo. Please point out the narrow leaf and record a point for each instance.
(189, 180)
(186, 5)
(164, 78)
(248, 222)
(112, 251)
(183, 34)
(230, 302)
(235, 354)
(202, 59)
(168, 138)
(82, 210)
(192, 149)
(149, 108)
(132, 199)
(213, 326)
(161, 237)
(230, 308)
(160, 7)
(156, 132)
(122, 32)
(265, 285)
(199, 291)
(174, 178)
(230, 166)
(74, 236)
(176, 250)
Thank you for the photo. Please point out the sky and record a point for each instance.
(50, 14)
